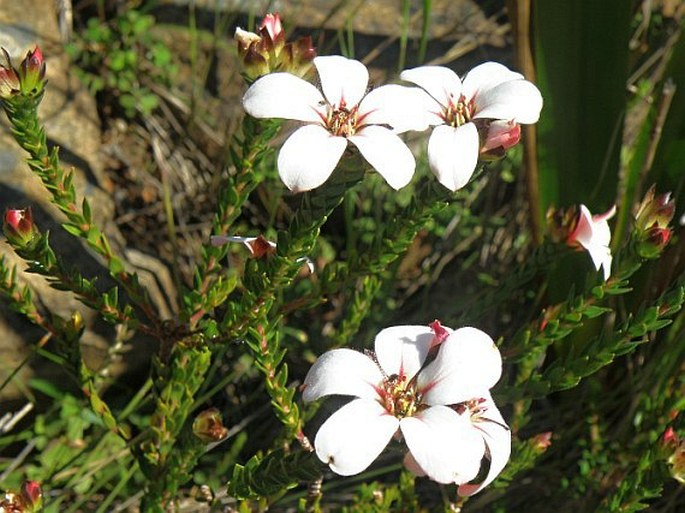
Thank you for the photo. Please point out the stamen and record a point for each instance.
(342, 121)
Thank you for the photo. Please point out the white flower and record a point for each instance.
(490, 91)
(344, 112)
(434, 397)
(593, 233)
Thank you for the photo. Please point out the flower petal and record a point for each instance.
(353, 437)
(386, 152)
(282, 95)
(402, 108)
(308, 157)
(498, 441)
(342, 79)
(343, 372)
(441, 83)
(467, 365)
(485, 76)
(453, 154)
(516, 100)
(444, 444)
(402, 350)
(594, 234)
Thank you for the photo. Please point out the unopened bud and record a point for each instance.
(655, 210)
(266, 51)
(670, 437)
(209, 427)
(272, 24)
(32, 72)
(542, 441)
(500, 136)
(32, 496)
(651, 233)
(19, 228)
(676, 463)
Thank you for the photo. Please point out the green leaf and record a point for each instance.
(582, 71)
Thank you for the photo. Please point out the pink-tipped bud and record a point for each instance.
(267, 51)
(32, 72)
(655, 210)
(501, 135)
(542, 441)
(209, 427)
(32, 496)
(272, 24)
(670, 437)
(18, 227)
(652, 233)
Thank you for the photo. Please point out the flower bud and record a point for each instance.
(651, 233)
(669, 438)
(542, 441)
(500, 136)
(272, 24)
(208, 426)
(19, 228)
(676, 463)
(655, 210)
(32, 72)
(32, 496)
(266, 51)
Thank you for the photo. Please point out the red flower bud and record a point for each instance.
(542, 441)
(501, 135)
(18, 226)
(651, 233)
(32, 495)
(32, 72)
(208, 426)
(669, 437)
(267, 51)
(272, 24)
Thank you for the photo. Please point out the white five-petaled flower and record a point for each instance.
(435, 397)
(340, 112)
(592, 232)
(489, 93)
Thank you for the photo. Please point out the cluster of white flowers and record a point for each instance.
(477, 115)
(427, 385)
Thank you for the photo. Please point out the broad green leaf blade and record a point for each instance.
(582, 61)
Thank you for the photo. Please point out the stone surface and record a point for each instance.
(452, 19)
